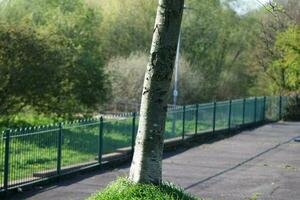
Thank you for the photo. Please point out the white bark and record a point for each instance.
(146, 166)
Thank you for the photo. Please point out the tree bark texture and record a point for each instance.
(146, 165)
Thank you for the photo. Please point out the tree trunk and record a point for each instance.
(146, 166)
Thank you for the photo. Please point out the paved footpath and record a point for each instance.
(262, 163)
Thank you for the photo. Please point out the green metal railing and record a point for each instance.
(34, 154)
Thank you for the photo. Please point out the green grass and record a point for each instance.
(38, 152)
(27, 118)
(124, 189)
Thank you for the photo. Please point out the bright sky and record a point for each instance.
(244, 6)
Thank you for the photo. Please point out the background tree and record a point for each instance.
(71, 30)
(272, 73)
(25, 64)
(288, 46)
(216, 41)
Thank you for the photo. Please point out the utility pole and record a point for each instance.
(175, 91)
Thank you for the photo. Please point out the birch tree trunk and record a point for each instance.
(146, 165)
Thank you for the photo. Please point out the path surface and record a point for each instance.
(264, 162)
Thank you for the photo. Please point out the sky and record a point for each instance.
(244, 6)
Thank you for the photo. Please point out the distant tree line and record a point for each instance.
(70, 57)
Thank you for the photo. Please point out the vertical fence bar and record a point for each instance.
(264, 108)
(280, 108)
(133, 131)
(214, 116)
(244, 110)
(229, 115)
(100, 153)
(6, 160)
(196, 118)
(59, 149)
(255, 108)
(183, 122)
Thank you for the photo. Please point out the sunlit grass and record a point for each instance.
(123, 189)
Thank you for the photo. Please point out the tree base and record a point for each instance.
(123, 189)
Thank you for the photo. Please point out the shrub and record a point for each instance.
(293, 110)
(127, 76)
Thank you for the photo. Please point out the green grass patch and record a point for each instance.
(28, 118)
(123, 189)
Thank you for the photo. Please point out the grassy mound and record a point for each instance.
(123, 189)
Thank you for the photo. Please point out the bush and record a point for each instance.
(127, 76)
(123, 189)
(293, 110)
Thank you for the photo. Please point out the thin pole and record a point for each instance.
(175, 92)
(133, 131)
(264, 110)
(244, 110)
(100, 153)
(214, 115)
(6, 161)
(183, 122)
(255, 108)
(229, 115)
(59, 149)
(196, 118)
(280, 107)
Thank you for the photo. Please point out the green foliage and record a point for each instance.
(274, 56)
(216, 42)
(27, 118)
(126, 75)
(51, 57)
(288, 46)
(26, 61)
(123, 189)
(63, 45)
(127, 25)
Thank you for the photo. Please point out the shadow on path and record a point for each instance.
(239, 164)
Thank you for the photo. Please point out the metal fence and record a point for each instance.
(34, 154)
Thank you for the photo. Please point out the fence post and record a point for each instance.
(280, 107)
(214, 115)
(100, 141)
(6, 161)
(174, 113)
(183, 122)
(196, 118)
(264, 109)
(255, 108)
(59, 149)
(229, 115)
(133, 131)
(244, 110)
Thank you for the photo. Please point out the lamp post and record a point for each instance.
(175, 90)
